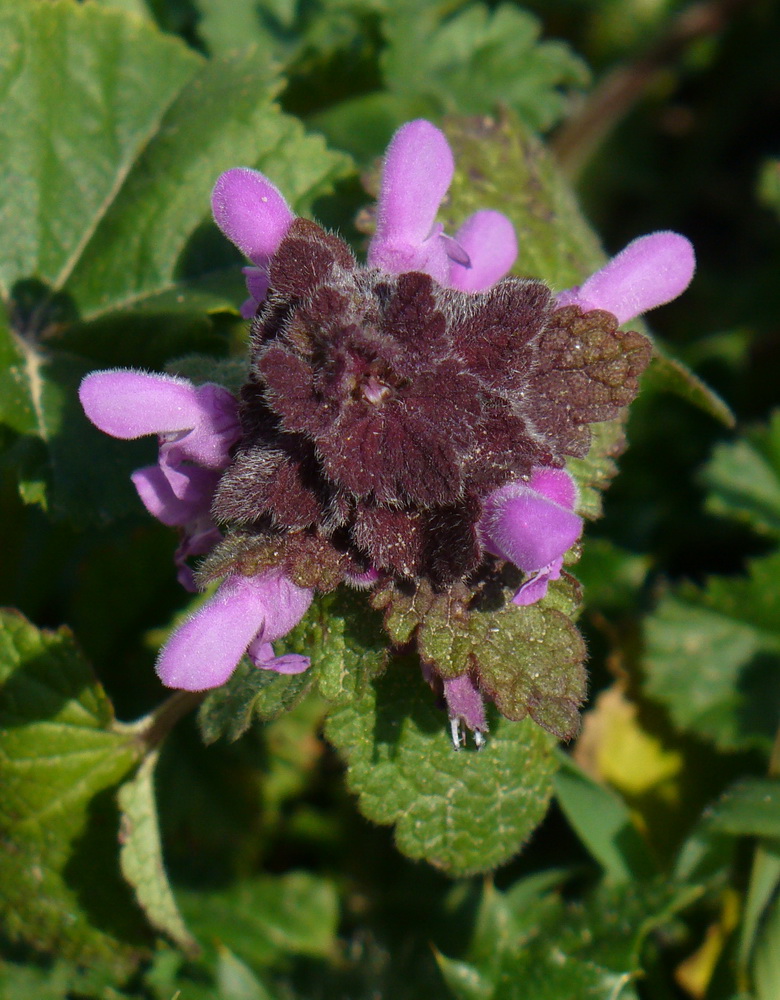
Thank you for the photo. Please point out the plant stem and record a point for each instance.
(151, 729)
(577, 140)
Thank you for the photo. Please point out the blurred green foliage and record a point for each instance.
(655, 875)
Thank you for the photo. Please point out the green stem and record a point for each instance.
(152, 729)
(611, 100)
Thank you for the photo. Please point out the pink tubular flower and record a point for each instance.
(465, 705)
(194, 423)
(651, 271)
(418, 170)
(245, 615)
(196, 427)
(532, 524)
(254, 216)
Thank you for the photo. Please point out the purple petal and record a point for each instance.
(199, 538)
(248, 308)
(257, 286)
(290, 663)
(192, 484)
(213, 434)
(129, 404)
(535, 588)
(456, 253)
(251, 212)
(464, 702)
(555, 484)
(262, 655)
(526, 528)
(489, 239)
(175, 497)
(205, 651)
(287, 604)
(417, 173)
(650, 271)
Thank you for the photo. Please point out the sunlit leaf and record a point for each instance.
(105, 218)
(60, 761)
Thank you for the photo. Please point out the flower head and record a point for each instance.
(382, 410)
(404, 424)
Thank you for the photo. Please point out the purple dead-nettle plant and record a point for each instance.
(404, 428)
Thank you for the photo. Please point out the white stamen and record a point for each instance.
(455, 731)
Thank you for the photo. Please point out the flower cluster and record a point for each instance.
(407, 421)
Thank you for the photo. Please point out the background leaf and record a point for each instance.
(743, 478)
(603, 823)
(551, 950)
(59, 763)
(712, 656)
(115, 78)
(475, 59)
(265, 918)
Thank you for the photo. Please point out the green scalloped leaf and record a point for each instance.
(464, 812)
(712, 656)
(343, 636)
(60, 761)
